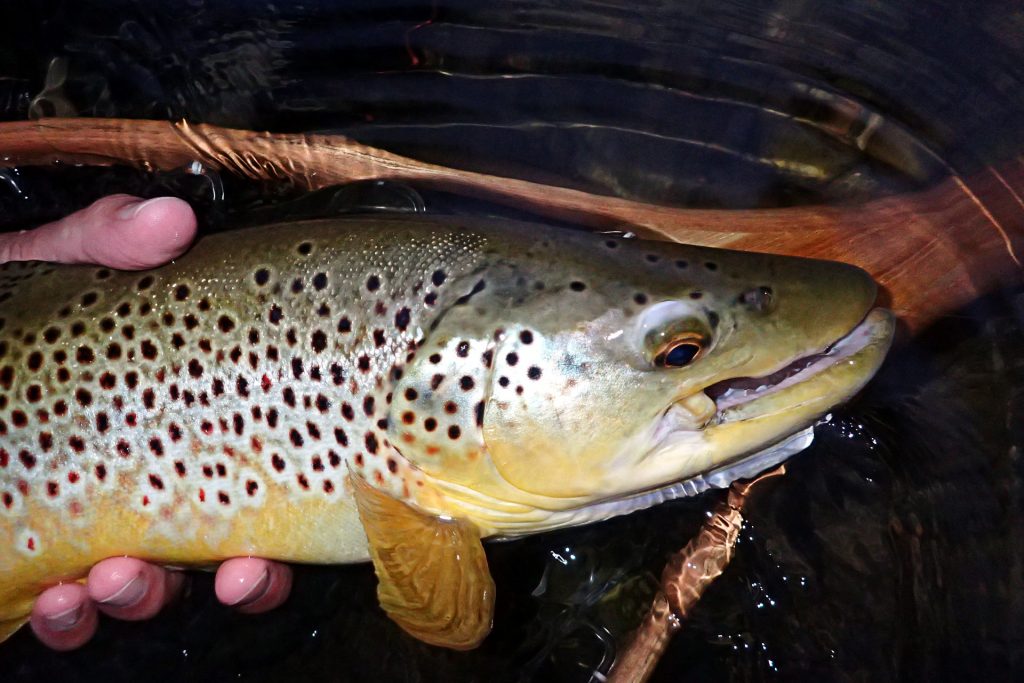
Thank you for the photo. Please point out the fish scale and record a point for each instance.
(204, 392)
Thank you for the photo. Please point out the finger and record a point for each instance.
(130, 589)
(117, 231)
(252, 585)
(64, 617)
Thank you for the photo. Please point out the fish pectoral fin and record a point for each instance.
(434, 580)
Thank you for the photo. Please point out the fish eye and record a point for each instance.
(680, 352)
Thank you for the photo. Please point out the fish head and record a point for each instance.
(595, 370)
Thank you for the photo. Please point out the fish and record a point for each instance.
(397, 390)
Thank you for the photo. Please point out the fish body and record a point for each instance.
(514, 377)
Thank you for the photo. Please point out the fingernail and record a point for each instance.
(129, 594)
(256, 591)
(130, 211)
(66, 620)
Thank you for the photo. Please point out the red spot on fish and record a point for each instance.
(145, 500)
(72, 477)
(31, 543)
(23, 487)
(202, 496)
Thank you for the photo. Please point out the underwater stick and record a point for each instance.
(686, 576)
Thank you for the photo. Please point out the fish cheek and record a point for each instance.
(557, 426)
(438, 406)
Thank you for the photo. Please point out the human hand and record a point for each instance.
(127, 233)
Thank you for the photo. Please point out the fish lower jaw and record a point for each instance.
(864, 346)
(715, 478)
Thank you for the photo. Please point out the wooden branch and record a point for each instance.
(686, 576)
(932, 252)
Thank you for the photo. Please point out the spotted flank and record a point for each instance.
(334, 391)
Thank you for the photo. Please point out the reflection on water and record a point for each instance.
(891, 549)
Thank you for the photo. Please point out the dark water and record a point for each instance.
(892, 549)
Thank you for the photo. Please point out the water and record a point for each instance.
(891, 549)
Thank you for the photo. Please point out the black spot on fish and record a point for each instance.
(402, 319)
(477, 288)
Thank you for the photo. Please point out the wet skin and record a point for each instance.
(126, 233)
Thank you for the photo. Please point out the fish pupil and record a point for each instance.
(681, 354)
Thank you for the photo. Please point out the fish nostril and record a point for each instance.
(758, 299)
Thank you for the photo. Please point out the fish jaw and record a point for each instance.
(774, 411)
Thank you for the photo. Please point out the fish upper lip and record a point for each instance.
(737, 391)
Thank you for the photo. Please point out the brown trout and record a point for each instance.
(395, 390)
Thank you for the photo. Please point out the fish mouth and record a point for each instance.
(758, 421)
(873, 333)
